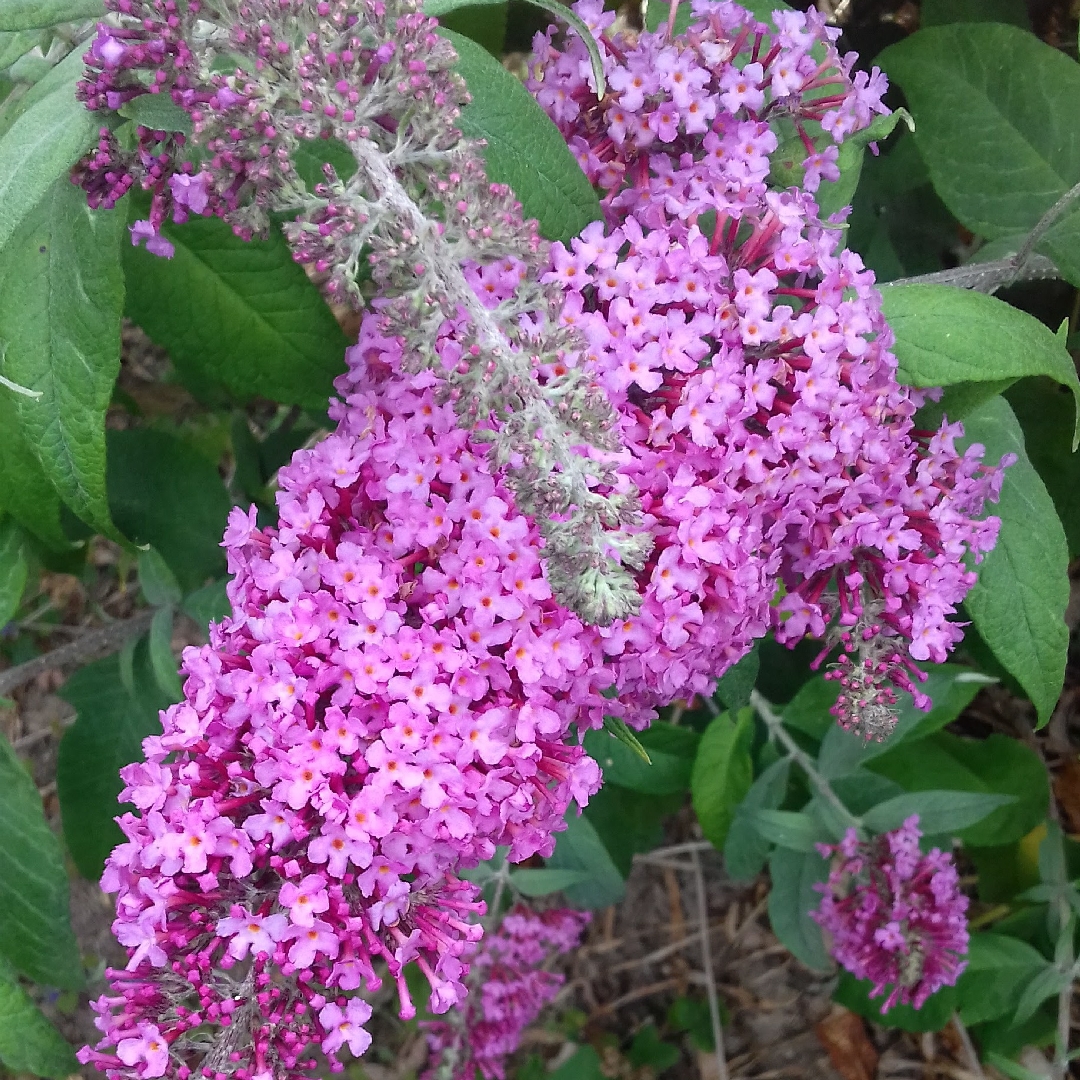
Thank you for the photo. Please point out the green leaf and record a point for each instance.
(584, 1065)
(946, 336)
(738, 681)
(107, 734)
(998, 969)
(581, 850)
(161, 654)
(60, 329)
(164, 493)
(997, 124)
(13, 570)
(722, 774)
(854, 994)
(940, 812)
(793, 831)
(1047, 983)
(1045, 412)
(808, 710)
(32, 14)
(649, 1051)
(792, 898)
(24, 491)
(158, 583)
(545, 882)
(14, 45)
(671, 751)
(156, 111)
(745, 849)
(235, 314)
(1012, 1069)
(950, 689)
(39, 147)
(35, 931)
(208, 604)
(997, 764)
(28, 1042)
(524, 148)
(1018, 603)
(629, 822)
(943, 12)
(619, 730)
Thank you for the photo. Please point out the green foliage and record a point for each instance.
(60, 326)
(35, 932)
(671, 752)
(952, 337)
(52, 130)
(29, 14)
(114, 716)
(746, 848)
(581, 850)
(164, 493)
(525, 149)
(942, 12)
(237, 317)
(648, 1050)
(722, 773)
(545, 882)
(996, 766)
(997, 124)
(998, 971)
(854, 994)
(13, 569)
(1019, 601)
(738, 681)
(791, 899)
(28, 1042)
(939, 812)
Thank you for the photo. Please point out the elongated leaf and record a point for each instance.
(162, 492)
(28, 1042)
(671, 752)
(934, 1014)
(1018, 602)
(545, 882)
(107, 734)
(580, 849)
(31, 14)
(745, 849)
(524, 148)
(998, 765)
(738, 681)
(157, 581)
(39, 147)
(722, 774)
(794, 831)
(792, 898)
(24, 489)
(60, 324)
(166, 669)
(35, 930)
(13, 570)
(946, 336)
(998, 969)
(940, 812)
(237, 315)
(996, 120)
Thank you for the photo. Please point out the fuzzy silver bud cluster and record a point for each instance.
(418, 214)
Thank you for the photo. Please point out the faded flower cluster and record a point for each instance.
(782, 476)
(508, 987)
(894, 915)
(415, 212)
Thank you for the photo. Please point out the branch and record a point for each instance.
(1025, 265)
(706, 960)
(92, 646)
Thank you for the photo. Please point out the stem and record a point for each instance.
(777, 731)
(94, 645)
(1042, 226)
(1067, 964)
(706, 960)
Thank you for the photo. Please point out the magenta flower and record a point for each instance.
(894, 915)
(510, 988)
(781, 472)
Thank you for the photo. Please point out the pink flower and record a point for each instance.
(147, 1049)
(346, 1026)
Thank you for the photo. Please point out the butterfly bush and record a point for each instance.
(401, 685)
(782, 473)
(509, 987)
(895, 916)
(417, 209)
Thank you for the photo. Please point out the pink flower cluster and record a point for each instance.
(749, 360)
(509, 988)
(389, 701)
(894, 915)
